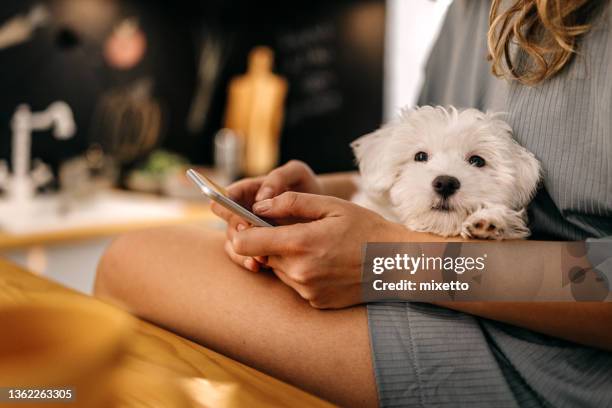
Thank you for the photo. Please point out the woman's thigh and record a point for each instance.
(180, 278)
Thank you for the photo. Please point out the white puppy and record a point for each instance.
(448, 172)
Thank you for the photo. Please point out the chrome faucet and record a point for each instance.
(22, 183)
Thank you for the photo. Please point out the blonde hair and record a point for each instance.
(546, 33)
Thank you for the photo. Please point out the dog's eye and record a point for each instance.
(421, 157)
(476, 161)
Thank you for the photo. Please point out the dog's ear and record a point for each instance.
(527, 177)
(375, 163)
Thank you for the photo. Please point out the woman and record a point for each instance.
(553, 58)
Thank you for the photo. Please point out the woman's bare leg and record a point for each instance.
(180, 278)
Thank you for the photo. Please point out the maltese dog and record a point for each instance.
(448, 172)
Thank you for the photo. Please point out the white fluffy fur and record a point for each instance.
(491, 200)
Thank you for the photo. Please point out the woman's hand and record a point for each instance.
(293, 176)
(320, 257)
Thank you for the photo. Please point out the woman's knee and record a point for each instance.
(112, 271)
(129, 260)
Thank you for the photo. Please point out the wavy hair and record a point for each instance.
(546, 33)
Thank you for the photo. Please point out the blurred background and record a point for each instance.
(330, 53)
(104, 103)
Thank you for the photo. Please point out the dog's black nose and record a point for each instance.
(446, 185)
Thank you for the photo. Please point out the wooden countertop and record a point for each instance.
(218, 380)
(193, 213)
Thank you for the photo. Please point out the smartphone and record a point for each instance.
(218, 194)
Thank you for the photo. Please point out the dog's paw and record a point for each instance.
(495, 223)
(482, 228)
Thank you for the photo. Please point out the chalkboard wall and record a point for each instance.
(330, 52)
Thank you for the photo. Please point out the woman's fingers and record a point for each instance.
(261, 259)
(232, 226)
(243, 192)
(221, 211)
(292, 175)
(236, 225)
(244, 261)
(276, 263)
(296, 205)
(263, 241)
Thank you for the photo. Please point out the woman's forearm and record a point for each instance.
(341, 185)
(585, 323)
(519, 265)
